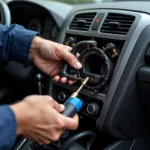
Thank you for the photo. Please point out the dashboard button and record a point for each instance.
(62, 96)
(97, 21)
(92, 109)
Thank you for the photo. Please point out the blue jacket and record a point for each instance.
(15, 43)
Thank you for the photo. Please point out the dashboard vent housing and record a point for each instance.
(117, 23)
(82, 21)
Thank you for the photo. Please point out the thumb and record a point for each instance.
(70, 123)
(71, 59)
(58, 107)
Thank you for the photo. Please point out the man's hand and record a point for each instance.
(48, 57)
(39, 119)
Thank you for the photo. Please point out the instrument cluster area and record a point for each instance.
(34, 17)
(98, 61)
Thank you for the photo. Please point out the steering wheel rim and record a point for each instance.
(5, 13)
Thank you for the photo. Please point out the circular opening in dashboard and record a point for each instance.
(93, 64)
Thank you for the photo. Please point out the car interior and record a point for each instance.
(113, 43)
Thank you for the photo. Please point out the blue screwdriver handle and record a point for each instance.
(72, 106)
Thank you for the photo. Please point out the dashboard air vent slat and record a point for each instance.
(117, 23)
(82, 21)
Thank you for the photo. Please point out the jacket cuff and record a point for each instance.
(21, 45)
(8, 126)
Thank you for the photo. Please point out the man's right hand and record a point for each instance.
(39, 119)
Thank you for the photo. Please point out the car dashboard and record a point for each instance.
(119, 30)
(116, 100)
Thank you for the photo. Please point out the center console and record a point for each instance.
(111, 97)
(98, 63)
(111, 105)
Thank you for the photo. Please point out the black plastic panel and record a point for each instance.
(120, 145)
(121, 114)
(143, 83)
(19, 71)
(52, 7)
(144, 74)
(136, 144)
(125, 118)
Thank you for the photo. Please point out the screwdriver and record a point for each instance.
(73, 105)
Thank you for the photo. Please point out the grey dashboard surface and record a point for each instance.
(110, 109)
(139, 6)
(58, 10)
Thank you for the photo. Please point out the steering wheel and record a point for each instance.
(5, 13)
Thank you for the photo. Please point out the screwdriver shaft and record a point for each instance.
(79, 89)
(83, 84)
(75, 94)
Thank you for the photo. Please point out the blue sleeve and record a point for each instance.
(8, 127)
(15, 42)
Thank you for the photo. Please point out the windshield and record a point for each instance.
(90, 1)
(80, 1)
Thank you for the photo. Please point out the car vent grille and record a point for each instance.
(117, 23)
(82, 21)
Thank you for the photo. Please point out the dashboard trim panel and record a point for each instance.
(142, 20)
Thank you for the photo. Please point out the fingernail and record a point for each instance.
(78, 65)
(70, 82)
(62, 107)
(65, 80)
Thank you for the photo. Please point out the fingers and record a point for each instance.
(70, 82)
(43, 140)
(77, 55)
(68, 48)
(76, 118)
(71, 59)
(54, 104)
(71, 123)
(57, 78)
(56, 69)
(57, 106)
(62, 80)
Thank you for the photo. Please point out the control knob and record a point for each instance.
(92, 109)
(62, 96)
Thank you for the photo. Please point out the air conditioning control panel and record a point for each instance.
(91, 108)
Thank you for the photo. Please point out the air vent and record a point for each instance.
(82, 21)
(117, 23)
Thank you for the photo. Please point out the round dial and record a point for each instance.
(93, 109)
(34, 25)
(97, 66)
(54, 32)
(62, 96)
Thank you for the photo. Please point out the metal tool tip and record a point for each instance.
(85, 80)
